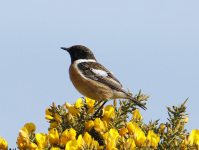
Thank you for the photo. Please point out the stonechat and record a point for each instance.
(92, 79)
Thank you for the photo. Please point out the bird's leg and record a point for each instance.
(98, 103)
(99, 108)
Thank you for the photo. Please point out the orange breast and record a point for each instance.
(89, 88)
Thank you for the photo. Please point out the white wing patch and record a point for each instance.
(100, 72)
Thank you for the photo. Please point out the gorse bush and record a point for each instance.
(74, 127)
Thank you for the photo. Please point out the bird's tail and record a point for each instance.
(138, 103)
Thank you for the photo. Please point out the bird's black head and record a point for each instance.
(79, 52)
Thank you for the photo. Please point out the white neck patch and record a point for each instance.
(84, 60)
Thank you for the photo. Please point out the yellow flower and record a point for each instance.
(131, 126)
(111, 144)
(64, 138)
(49, 117)
(114, 133)
(136, 115)
(80, 142)
(194, 137)
(152, 139)
(139, 137)
(41, 139)
(71, 134)
(71, 145)
(78, 104)
(33, 146)
(21, 143)
(123, 131)
(109, 111)
(49, 114)
(96, 145)
(87, 139)
(48, 111)
(89, 125)
(131, 144)
(58, 118)
(73, 111)
(24, 135)
(89, 102)
(99, 125)
(53, 136)
(3, 144)
(30, 127)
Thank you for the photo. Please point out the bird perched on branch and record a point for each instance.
(92, 79)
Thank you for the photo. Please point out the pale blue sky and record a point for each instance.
(149, 45)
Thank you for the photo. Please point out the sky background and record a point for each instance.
(149, 45)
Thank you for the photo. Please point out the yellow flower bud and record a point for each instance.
(58, 118)
(68, 105)
(101, 112)
(175, 142)
(162, 128)
(53, 125)
(185, 120)
(89, 125)
(169, 109)
(123, 131)
(178, 124)
(91, 110)
(54, 105)
(115, 102)
(174, 107)
(100, 104)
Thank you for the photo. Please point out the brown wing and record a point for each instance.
(89, 69)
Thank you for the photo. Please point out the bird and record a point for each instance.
(92, 79)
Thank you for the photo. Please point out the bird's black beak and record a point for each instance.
(66, 49)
